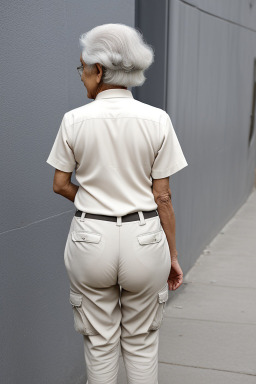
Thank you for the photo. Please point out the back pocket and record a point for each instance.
(150, 237)
(81, 323)
(88, 237)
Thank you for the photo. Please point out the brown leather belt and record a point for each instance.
(129, 217)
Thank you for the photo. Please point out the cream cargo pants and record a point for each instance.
(118, 275)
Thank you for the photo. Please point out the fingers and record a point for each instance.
(175, 284)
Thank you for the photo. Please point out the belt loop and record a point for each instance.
(142, 219)
(119, 221)
(82, 216)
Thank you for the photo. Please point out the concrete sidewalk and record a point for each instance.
(208, 334)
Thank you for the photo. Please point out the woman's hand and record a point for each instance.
(175, 278)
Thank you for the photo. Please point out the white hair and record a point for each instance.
(121, 51)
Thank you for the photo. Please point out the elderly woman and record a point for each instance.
(120, 253)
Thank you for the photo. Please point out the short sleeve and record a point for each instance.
(169, 158)
(62, 156)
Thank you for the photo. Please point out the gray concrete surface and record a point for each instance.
(209, 329)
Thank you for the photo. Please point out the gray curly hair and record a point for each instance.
(121, 51)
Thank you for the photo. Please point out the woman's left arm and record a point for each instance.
(63, 186)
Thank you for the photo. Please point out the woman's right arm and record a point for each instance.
(162, 195)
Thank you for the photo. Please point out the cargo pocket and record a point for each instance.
(81, 323)
(162, 297)
(150, 237)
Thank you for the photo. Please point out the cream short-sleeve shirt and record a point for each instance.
(116, 145)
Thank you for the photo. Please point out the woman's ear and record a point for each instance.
(99, 72)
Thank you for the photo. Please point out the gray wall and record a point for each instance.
(39, 83)
(210, 83)
(209, 49)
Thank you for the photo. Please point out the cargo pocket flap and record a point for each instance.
(88, 237)
(163, 294)
(75, 299)
(148, 238)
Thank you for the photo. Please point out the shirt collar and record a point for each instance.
(114, 92)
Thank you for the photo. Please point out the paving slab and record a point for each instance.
(224, 269)
(234, 241)
(214, 303)
(174, 374)
(208, 344)
(247, 212)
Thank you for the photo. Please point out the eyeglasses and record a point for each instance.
(80, 70)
